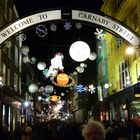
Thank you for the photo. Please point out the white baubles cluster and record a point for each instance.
(24, 50)
(81, 68)
(33, 60)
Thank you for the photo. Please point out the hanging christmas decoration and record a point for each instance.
(56, 65)
(91, 88)
(79, 51)
(62, 79)
(80, 69)
(49, 89)
(54, 98)
(32, 60)
(80, 88)
(33, 88)
(41, 30)
(24, 50)
(92, 56)
(41, 65)
(26, 59)
(69, 84)
(53, 27)
(67, 26)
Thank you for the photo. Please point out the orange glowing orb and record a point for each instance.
(62, 79)
(55, 98)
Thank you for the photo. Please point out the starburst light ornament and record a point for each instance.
(80, 88)
(67, 26)
(26, 59)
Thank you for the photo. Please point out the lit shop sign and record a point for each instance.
(27, 22)
(107, 23)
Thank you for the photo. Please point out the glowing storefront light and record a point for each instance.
(130, 50)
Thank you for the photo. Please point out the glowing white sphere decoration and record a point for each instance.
(49, 89)
(80, 69)
(79, 51)
(41, 65)
(41, 89)
(130, 50)
(24, 50)
(33, 88)
(33, 60)
(92, 56)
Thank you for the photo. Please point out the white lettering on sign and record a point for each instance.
(103, 21)
(107, 23)
(27, 22)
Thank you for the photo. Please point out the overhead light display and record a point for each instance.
(49, 89)
(53, 27)
(33, 60)
(33, 88)
(67, 26)
(41, 30)
(92, 56)
(79, 51)
(24, 50)
(55, 98)
(80, 69)
(62, 79)
(41, 65)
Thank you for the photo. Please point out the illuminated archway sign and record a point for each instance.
(101, 20)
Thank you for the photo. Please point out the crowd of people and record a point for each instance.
(60, 130)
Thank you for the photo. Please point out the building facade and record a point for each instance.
(12, 71)
(122, 99)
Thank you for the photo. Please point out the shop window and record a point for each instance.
(123, 74)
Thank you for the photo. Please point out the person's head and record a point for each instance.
(94, 130)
